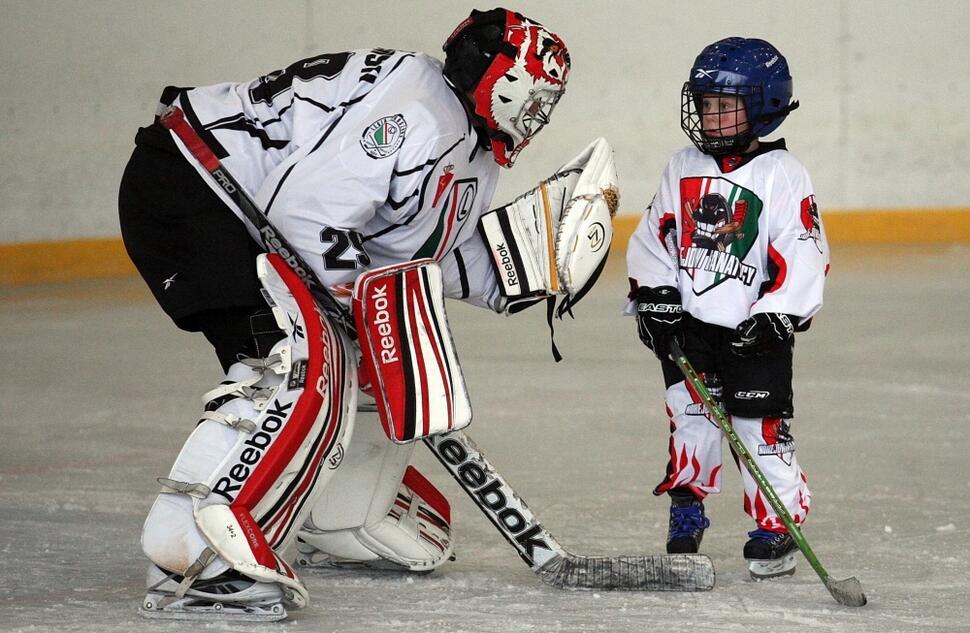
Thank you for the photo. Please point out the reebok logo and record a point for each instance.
(505, 262)
(382, 323)
(527, 537)
(273, 420)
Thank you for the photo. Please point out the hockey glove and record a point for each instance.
(761, 333)
(659, 315)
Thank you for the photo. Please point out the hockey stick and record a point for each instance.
(846, 592)
(496, 499)
(172, 118)
(555, 565)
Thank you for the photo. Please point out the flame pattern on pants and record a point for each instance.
(696, 458)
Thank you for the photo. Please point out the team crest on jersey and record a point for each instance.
(384, 136)
(719, 221)
(809, 217)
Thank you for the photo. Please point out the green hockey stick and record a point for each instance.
(846, 592)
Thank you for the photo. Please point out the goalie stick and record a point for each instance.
(495, 498)
(846, 592)
(555, 565)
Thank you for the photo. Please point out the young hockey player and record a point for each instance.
(361, 159)
(730, 259)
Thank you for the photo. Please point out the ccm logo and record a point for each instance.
(751, 395)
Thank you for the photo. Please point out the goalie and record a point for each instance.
(378, 166)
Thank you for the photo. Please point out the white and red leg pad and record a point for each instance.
(773, 449)
(377, 512)
(249, 474)
(407, 350)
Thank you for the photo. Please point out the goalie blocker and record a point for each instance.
(554, 239)
(407, 352)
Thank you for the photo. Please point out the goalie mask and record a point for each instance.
(752, 70)
(513, 69)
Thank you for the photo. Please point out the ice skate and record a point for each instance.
(770, 554)
(687, 524)
(226, 597)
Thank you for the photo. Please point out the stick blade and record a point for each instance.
(678, 572)
(847, 592)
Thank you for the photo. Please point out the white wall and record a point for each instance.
(883, 84)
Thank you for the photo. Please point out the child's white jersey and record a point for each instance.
(737, 241)
(361, 159)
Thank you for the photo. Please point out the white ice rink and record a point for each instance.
(98, 391)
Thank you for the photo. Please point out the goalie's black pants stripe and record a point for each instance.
(194, 254)
(756, 387)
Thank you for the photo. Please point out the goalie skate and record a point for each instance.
(227, 597)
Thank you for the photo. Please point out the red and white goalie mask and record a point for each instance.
(526, 73)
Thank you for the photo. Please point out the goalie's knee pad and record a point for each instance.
(413, 535)
(269, 441)
(353, 523)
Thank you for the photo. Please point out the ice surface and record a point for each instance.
(99, 391)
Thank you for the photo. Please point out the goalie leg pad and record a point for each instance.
(407, 351)
(253, 472)
(353, 523)
(413, 535)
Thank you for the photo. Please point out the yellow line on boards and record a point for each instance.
(69, 260)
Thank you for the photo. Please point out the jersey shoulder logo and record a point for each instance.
(384, 136)
(810, 222)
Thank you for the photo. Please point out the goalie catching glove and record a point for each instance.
(554, 239)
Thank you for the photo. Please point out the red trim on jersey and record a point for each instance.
(781, 264)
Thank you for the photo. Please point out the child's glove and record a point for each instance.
(761, 333)
(659, 315)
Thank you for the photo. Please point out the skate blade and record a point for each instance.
(163, 607)
(766, 569)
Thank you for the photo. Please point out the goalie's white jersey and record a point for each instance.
(361, 159)
(735, 242)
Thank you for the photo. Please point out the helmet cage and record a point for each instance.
(691, 117)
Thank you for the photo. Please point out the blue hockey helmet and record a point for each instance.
(750, 68)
